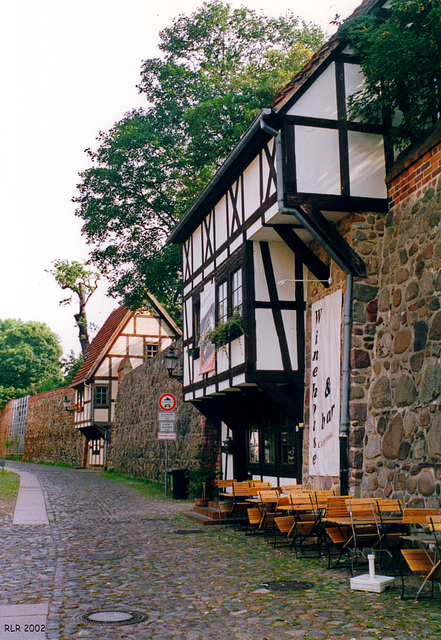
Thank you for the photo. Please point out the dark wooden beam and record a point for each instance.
(333, 239)
(318, 268)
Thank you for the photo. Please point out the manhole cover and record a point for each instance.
(287, 585)
(183, 532)
(112, 616)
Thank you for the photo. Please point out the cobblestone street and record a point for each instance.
(109, 547)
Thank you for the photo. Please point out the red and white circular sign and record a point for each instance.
(167, 402)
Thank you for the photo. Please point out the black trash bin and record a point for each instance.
(178, 483)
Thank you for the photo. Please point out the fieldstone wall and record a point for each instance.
(402, 443)
(135, 449)
(4, 427)
(50, 432)
(364, 232)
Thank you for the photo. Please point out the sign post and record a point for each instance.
(167, 420)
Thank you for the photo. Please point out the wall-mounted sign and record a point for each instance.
(167, 402)
(206, 347)
(324, 417)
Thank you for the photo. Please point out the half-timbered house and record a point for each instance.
(124, 342)
(265, 225)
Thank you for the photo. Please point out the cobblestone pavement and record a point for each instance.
(109, 547)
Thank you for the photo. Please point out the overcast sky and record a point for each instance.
(69, 69)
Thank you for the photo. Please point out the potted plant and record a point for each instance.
(201, 485)
(226, 332)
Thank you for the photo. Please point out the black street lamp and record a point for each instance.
(67, 404)
(171, 360)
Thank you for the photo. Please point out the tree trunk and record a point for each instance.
(81, 320)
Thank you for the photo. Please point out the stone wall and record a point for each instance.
(402, 443)
(50, 432)
(4, 427)
(135, 449)
(364, 232)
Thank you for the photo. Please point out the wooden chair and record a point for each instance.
(390, 512)
(254, 519)
(364, 527)
(240, 491)
(268, 501)
(305, 533)
(337, 537)
(284, 525)
(424, 562)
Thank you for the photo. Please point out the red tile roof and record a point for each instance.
(99, 343)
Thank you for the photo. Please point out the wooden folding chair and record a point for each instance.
(254, 520)
(424, 562)
(305, 532)
(284, 525)
(337, 537)
(268, 501)
(390, 513)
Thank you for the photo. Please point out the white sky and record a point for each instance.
(68, 69)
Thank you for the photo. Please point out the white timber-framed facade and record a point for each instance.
(124, 342)
(301, 168)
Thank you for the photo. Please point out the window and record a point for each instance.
(274, 444)
(151, 350)
(101, 396)
(236, 289)
(254, 445)
(229, 295)
(222, 302)
(196, 322)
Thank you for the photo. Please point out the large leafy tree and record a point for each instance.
(29, 359)
(218, 69)
(76, 277)
(400, 54)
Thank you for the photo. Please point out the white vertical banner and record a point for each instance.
(324, 405)
(207, 349)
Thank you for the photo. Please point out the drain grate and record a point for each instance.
(112, 616)
(287, 585)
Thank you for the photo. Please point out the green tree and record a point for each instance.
(218, 68)
(29, 359)
(400, 54)
(76, 277)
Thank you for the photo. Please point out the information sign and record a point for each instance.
(166, 416)
(166, 435)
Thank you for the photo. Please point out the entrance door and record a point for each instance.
(95, 457)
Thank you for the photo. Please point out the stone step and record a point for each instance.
(200, 519)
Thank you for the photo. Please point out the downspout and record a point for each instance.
(347, 321)
(345, 387)
(103, 430)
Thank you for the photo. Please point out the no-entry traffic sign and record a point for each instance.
(167, 402)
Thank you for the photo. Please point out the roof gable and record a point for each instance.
(114, 323)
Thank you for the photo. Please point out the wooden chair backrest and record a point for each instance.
(241, 489)
(302, 502)
(291, 488)
(260, 485)
(435, 522)
(283, 502)
(269, 496)
(361, 507)
(284, 523)
(224, 484)
(389, 505)
(254, 515)
(417, 515)
(336, 507)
